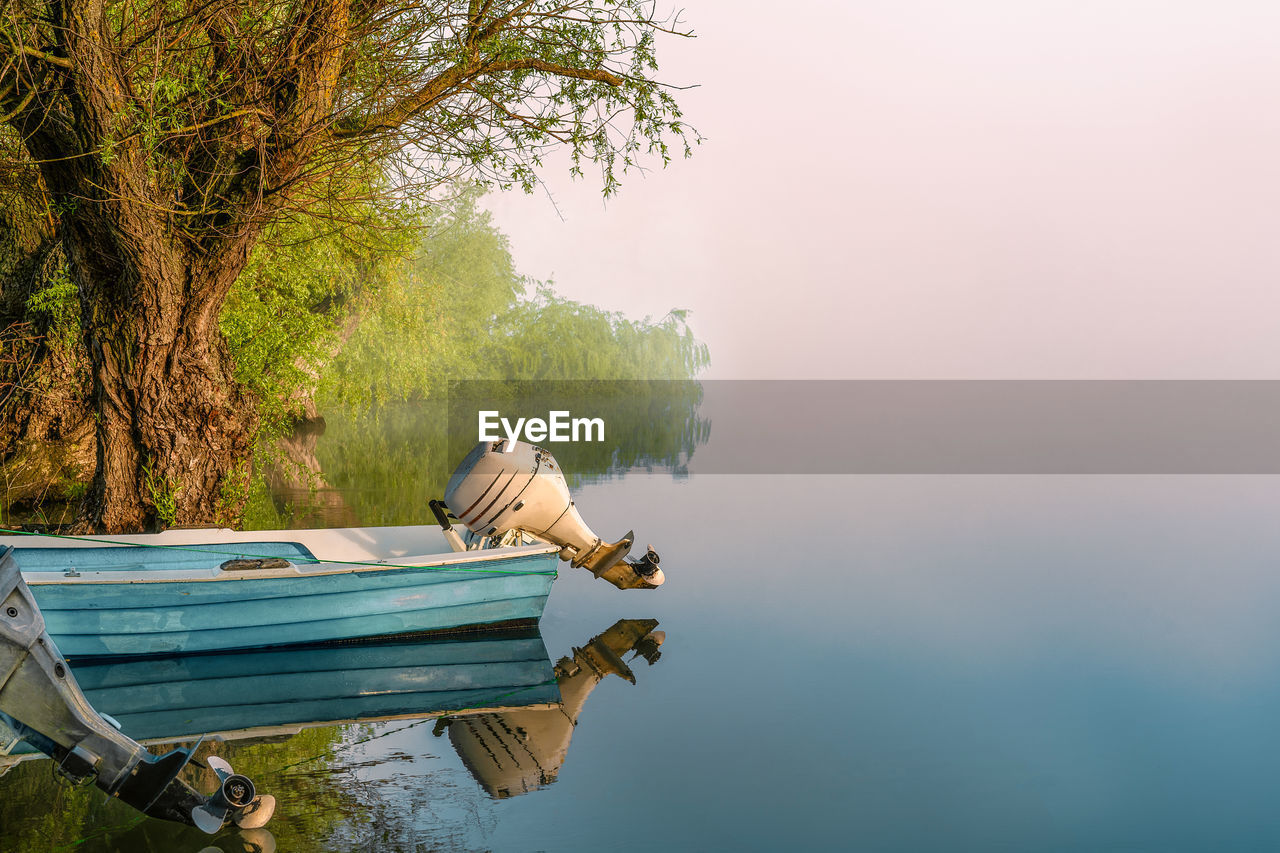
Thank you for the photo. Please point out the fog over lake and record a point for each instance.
(926, 189)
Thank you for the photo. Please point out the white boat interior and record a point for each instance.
(212, 553)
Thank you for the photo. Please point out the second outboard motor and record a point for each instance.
(503, 485)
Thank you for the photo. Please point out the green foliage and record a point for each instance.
(162, 491)
(460, 312)
(387, 462)
(553, 338)
(229, 118)
(284, 318)
(233, 493)
(44, 364)
(502, 128)
(392, 307)
(432, 321)
(55, 308)
(260, 511)
(431, 91)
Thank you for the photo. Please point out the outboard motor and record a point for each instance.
(504, 485)
(41, 703)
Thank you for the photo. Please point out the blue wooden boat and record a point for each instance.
(186, 591)
(205, 590)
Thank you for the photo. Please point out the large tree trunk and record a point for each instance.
(174, 436)
(174, 428)
(157, 223)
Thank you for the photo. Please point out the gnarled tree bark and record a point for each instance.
(175, 429)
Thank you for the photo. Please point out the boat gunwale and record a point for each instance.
(320, 568)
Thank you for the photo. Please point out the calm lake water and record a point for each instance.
(873, 663)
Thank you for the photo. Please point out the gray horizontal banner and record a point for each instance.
(896, 427)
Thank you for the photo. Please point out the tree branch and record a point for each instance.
(44, 56)
(454, 79)
(22, 105)
(599, 75)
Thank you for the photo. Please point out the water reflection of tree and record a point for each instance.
(381, 466)
(297, 486)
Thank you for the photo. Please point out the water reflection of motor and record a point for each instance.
(41, 703)
(514, 752)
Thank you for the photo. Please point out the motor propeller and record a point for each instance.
(235, 799)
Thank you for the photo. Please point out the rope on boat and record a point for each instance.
(312, 560)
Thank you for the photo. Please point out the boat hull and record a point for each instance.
(159, 617)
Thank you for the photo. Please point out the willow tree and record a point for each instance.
(169, 134)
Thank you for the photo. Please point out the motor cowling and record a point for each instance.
(504, 485)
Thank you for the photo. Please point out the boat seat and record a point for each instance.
(239, 565)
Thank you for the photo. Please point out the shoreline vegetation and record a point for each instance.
(203, 204)
(367, 326)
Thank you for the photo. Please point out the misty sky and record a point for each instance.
(989, 188)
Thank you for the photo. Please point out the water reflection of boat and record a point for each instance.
(503, 694)
(512, 752)
(501, 682)
(269, 693)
